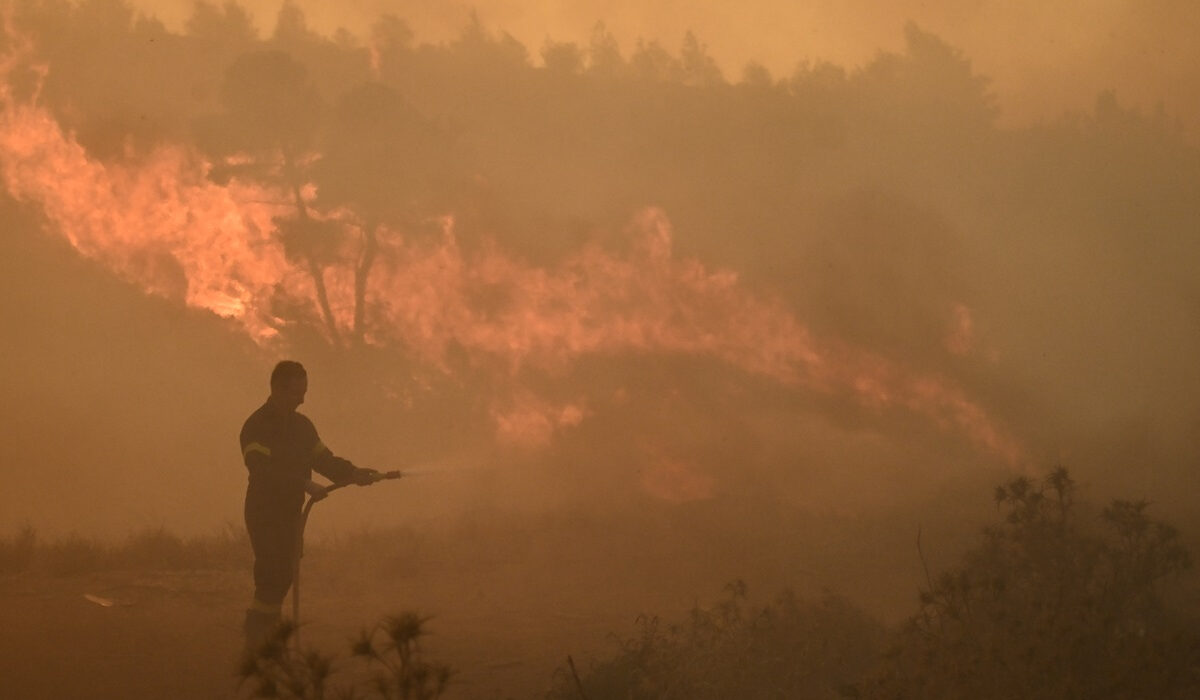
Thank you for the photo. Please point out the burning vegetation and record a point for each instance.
(287, 213)
(709, 327)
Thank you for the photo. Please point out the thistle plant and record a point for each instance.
(277, 669)
(401, 672)
(390, 652)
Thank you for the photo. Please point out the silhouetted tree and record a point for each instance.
(604, 55)
(651, 62)
(387, 164)
(272, 113)
(391, 44)
(699, 68)
(227, 24)
(756, 74)
(485, 52)
(562, 57)
(930, 85)
(291, 25)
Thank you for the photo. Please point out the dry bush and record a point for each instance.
(389, 665)
(787, 648)
(72, 554)
(17, 550)
(155, 549)
(1052, 605)
(159, 549)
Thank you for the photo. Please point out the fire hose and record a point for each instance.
(299, 548)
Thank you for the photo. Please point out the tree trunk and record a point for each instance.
(369, 249)
(315, 270)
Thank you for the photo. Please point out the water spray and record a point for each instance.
(434, 471)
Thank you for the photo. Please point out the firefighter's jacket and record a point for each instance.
(281, 450)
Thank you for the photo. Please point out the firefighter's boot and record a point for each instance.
(258, 627)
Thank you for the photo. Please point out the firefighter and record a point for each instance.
(281, 449)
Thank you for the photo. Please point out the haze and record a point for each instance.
(872, 243)
(617, 275)
(1044, 59)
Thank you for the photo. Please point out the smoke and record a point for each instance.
(1043, 59)
(620, 280)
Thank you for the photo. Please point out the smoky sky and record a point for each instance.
(607, 277)
(1043, 58)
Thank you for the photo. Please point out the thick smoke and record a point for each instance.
(1044, 59)
(603, 276)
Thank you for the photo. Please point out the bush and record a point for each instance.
(393, 668)
(73, 554)
(16, 551)
(160, 549)
(155, 549)
(1051, 605)
(786, 649)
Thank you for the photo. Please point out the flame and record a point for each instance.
(595, 302)
(528, 421)
(161, 223)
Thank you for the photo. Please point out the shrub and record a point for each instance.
(16, 551)
(73, 554)
(786, 649)
(147, 549)
(160, 549)
(1051, 605)
(393, 668)
(276, 669)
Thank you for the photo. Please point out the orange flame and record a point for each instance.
(528, 421)
(595, 302)
(162, 224)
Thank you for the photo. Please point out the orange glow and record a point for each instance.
(160, 223)
(595, 302)
(672, 480)
(530, 422)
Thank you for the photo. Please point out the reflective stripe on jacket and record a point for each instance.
(281, 449)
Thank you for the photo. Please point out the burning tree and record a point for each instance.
(385, 164)
(295, 209)
(367, 163)
(266, 133)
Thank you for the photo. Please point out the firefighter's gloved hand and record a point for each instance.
(315, 490)
(364, 477)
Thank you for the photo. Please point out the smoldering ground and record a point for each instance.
(741, 320)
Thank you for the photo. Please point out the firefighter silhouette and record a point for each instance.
(281, 450)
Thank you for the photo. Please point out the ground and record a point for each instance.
(508, 600)
(177, 634)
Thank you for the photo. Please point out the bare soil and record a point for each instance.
(503, 624)
(507, 603)
(177, 634)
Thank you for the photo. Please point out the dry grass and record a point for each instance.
(149, 549)
(787, 648)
